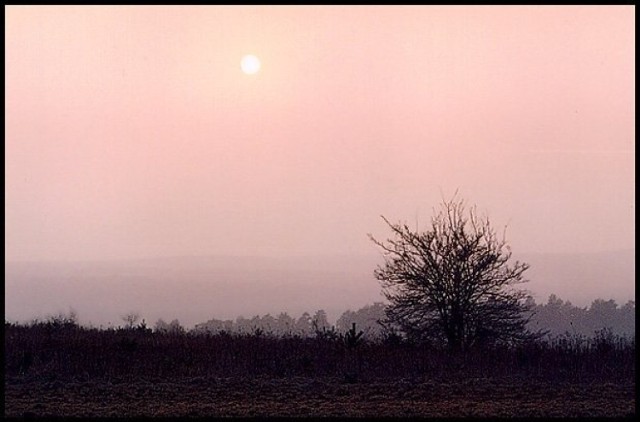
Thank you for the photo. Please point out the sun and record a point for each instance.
(250, 64)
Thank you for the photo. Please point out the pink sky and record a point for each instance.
(132, 132)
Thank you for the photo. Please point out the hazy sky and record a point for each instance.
(132, 131)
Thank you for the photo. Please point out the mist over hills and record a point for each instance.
(195, 289)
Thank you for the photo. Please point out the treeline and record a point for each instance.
(561, 317)
(60, 349)
(556, 317)
(366, 319)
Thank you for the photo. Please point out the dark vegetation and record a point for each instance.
(60, 349)
(59, 368)
(454, 283)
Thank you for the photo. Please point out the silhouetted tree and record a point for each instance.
(303, 324)
(347, 318)
(320, 321)
(161, 326)
(628, 317)
(173, 327)
(64, 320)
(367, 318)
(269, 323)
(453, 283)
(131, 320)
(243, 325)
(284, 324)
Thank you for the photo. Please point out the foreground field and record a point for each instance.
(301, 397)
(61, 369)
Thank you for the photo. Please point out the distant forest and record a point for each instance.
(557, 317)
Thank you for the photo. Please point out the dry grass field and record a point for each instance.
(302, 397)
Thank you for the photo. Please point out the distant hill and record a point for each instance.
(195, 289)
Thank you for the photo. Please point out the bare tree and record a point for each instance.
(173, 327)
(131, 319)
(320, 321)
(452, 283)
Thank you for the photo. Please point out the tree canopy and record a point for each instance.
(453, 283)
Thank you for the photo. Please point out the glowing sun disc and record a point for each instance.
(250, 64)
